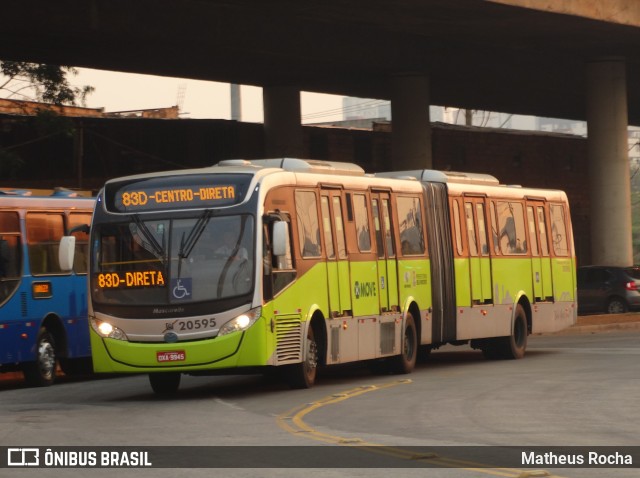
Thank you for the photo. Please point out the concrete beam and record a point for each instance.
(624, 12)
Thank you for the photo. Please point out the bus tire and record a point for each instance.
(42, 372)
(303, 374)
(406, 361)
(165, 383)
(515, 345)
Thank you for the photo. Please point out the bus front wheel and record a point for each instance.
(164, 383)
(303, 375)
(42, 372)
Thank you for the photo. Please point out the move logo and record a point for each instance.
(365, 289)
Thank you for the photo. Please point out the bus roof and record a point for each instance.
(57, 192)
(434, 176)
(45, 202)
(299, 165)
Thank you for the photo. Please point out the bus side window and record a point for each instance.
(361, 216)
(513, 239)
(457, 226)
(279, 267)
(44, 231)
(326, 227)
(471, 229)
(532, 231)
(308, 224)
(81, 256)
(558, 230)
(482, 229)
(10, 263)
(410, 226)
(10, 257)
(494, 228)
(544, 245)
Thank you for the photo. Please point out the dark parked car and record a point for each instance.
(607, 289)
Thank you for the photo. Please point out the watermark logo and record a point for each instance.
(23, 457)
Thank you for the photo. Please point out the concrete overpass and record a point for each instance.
(576, 59)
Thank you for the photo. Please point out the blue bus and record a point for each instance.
(43, 309)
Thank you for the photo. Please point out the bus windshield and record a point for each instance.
(173, 260)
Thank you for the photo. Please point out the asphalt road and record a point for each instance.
(570, 390)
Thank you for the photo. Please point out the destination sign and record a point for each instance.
(181, 192)
(128, 280)
(152, 198)
(41, 290)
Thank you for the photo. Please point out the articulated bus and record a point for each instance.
(288, 265)
(43, 309)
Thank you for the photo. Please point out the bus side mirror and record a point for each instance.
(280, 238)
(66, 252)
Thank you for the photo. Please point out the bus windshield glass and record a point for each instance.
(170, 261)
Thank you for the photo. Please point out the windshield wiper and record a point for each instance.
(187, 245)
(157, 248)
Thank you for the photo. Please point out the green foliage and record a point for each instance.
(21, 80)
(40, 82)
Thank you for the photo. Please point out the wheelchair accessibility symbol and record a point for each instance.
(181, 288)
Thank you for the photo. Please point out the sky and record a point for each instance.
(116, 91)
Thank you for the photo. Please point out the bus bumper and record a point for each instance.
(238, 349)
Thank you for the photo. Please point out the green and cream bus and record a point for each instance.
(290, 265)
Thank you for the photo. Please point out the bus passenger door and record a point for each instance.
(335, 242)
(387, 270)
(545, 259)
(536, 258)
(483, 252)
(333, 275)
(479, 262)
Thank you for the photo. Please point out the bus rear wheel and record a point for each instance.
(165, 383)
(515, 345)
(42, 372)
(406, 361)
(512, 346)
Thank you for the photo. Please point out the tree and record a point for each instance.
(40, 82)
(20, 80)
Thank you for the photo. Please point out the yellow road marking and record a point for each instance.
(292, 421)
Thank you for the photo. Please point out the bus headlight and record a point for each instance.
(242, 322)
(106, 330)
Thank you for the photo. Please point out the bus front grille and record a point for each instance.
(289, 337)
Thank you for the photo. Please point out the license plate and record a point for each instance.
(174, 356)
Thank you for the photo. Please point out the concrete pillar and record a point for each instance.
(282, 122)
(410, 125)
(236, 102)
(607, 146)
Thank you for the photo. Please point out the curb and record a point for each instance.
(592, 329)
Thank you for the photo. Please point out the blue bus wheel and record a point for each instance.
(42, 372)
